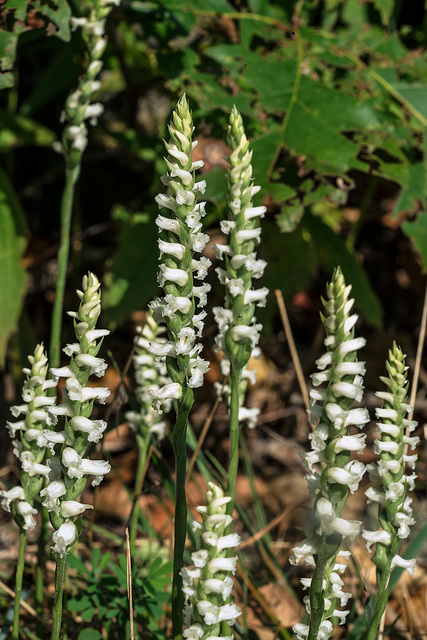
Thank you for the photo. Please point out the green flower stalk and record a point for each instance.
(394, 506)
(238, 331)
(79, 108)
(69, 468)
(147, 420)
(331, 473)
(30, 438)
(208, 586)
(150, 373)
(179, 240)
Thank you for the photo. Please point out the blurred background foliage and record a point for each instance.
(333, 95)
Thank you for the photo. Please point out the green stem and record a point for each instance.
(180, 450)
(235, 377)
(59, 588)
(40, 570)
(71, 176)
(328, 548)
(18, 583)
(143, 444)
(380, 605)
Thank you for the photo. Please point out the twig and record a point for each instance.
(417, 367)
(28, 608)
(292, 348)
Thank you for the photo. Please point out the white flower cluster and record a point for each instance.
(33, 438)
(181, 237)
(78, 106)
(148, 374)
(208, 586)
(238, 330)
(331, 473)
(69, 469)
(395, 511)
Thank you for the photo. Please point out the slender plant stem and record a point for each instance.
(40, 569)
(380, 605)
(71, 176)
(59, 588)
(143, 444)
(235, 377)
(18, 583)
(179, 446)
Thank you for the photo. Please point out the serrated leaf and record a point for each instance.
(332, 252)
(12, 242)
(417, 231)
(323, 148)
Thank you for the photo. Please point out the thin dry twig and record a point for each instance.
(28, 608)
(129, 584)
(417, 367)
(292, 347)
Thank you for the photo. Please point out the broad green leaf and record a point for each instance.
(291, 259)
(18, 131)
(216, 186)
(12, 242)
(291, 207)
(87, 614)
(57, 11)
(385, 9)
(337, 108)
(90, 634)
(332, 252)
(208, 93)
(308, 134)
(56, 15)
(264, 150)
(55, 79)
(417, 231)
(290, 217)
(76, 563)
(131, 279)
(412, 177)
(413, 94)
(80, 603)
